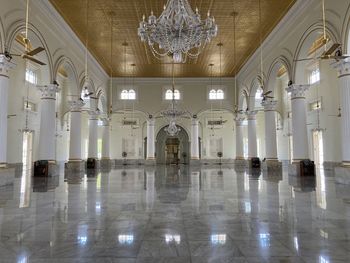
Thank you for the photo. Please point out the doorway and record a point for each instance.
(27, 150)
(172, 150)
(318, 147)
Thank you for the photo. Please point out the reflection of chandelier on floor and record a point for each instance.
(178, 31)
(172, 113)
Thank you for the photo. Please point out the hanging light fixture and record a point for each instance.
(172, 113)
(86, 85)
(178, 31)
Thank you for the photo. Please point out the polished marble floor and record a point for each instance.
(175, 214)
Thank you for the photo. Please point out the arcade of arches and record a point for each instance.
(89, 170)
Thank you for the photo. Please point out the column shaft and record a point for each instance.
(239, 139)
(75, 153)
(270, 130)
(343, 68)
(252, 140)
(194, 140)
(5, 66)
(105, 141)
(93, 137)
(47, 145)
(299, 122)
(150, 140)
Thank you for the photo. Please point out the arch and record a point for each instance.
(346, 31)
(19, 26)
(305, 41)
(90, 86)
(273, 70)
(60, 62)
(2, 37)
(255, 85)
(243, 100)
(102, 100)
(161, 139)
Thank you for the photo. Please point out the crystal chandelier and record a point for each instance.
(172, 113)
(178, 32)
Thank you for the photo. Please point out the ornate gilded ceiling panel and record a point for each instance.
(127, 14)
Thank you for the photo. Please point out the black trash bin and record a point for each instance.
(255, 162)
(41, 168)
(307, 168)
(90, 163)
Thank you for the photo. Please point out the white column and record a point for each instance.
(5, 66)
(252, 140)
(270, 129)
(75, 131)
(105, 140)
(93, 135)
(150, 140)
(343, 68)
(194, 140)
(47, 122)
(239, 139)
(299, 122)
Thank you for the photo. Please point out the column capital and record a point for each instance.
(239, 120)
(94, 115)
(105, 121)
(76, 105)
(195, 121)
(298, 91)
(342, 66)
(49, 91)
(251, 115)
(150, 122)
(269, 105)
(5, 65)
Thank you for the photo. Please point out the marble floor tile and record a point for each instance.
(176, 214)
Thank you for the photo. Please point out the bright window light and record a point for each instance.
(169, 94)
(314, 76)
(216, 94)
(128, 94)
(31, 76)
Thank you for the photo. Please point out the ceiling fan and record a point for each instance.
(28, 54)
(267, 95)
(334, 52)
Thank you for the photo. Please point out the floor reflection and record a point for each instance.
(175, 214)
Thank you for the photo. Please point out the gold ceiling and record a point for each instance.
(127, 14)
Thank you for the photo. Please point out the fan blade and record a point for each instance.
(304, 59)
(267, 93)
(270, 97)
(331, 50)
(33, 59)
(35, 51)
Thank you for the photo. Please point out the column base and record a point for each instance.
(74, 166)
(93, 163)
(45, 168)
(195, 162)
(294, 169)
(105, 164)
(150, 162)
(342, 174)
(7, 176)
(272, 166)
(241, 164)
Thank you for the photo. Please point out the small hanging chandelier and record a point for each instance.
(173, 113)
(178, 31)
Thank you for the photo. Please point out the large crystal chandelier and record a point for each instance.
(178, 31)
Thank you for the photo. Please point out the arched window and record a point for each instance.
(314, 76)
(128, 94)
(219, 94)
(132, 94)
(169, 94)
(212, 94)
(124, 95)
(216, 94)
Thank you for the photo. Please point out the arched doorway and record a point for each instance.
(172, 149)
